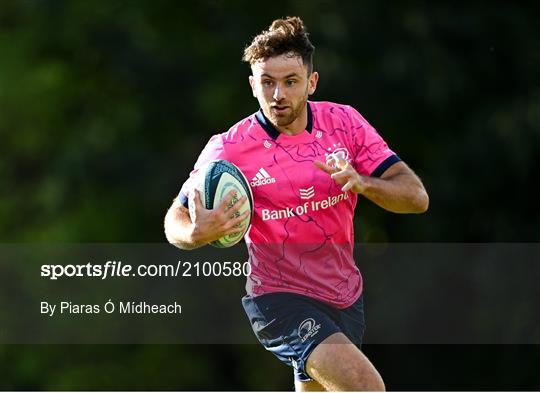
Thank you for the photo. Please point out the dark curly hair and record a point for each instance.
(284, 36)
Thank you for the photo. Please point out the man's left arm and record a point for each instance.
(398, 189)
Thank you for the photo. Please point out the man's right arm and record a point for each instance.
(179, 228)
(206, 226)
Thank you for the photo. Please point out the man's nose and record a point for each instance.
(278, 93)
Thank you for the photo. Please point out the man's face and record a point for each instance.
(282, 85)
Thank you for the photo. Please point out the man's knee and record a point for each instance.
(309, 386)
(337, 364)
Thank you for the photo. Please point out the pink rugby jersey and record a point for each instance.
(301, 237)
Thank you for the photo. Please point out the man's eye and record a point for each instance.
(268, 83)
(291, 82)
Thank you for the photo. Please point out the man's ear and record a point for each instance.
(252, 84)
(312, 83)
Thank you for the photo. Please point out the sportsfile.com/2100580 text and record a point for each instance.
(119, 269)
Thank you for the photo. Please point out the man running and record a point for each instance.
(307, 162)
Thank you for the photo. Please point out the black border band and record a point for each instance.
(383, 166)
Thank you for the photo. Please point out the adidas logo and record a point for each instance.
(261, 178)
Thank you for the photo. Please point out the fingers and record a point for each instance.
(225, 219)
(337, 161)
(342, 176)
(334, 163)
(228, 207)
(343, 173)
(229, 210)
(235, 225)
(231, 201)
(349, 185)
(337, 175)
(196, 197)
(235, 206)
(239, 203)
(227, 202)
(326, 168)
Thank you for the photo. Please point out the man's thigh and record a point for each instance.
(338, 364)
(292, 326)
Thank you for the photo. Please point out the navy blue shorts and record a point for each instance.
(291, 326)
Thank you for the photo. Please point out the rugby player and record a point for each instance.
(307, 162)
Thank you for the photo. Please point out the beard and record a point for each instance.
(283, 120)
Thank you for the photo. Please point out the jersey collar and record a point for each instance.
(271, 130)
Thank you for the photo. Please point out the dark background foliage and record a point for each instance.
(104, 106)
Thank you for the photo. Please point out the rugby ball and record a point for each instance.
(214, 183)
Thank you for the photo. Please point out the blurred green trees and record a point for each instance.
(104, 106)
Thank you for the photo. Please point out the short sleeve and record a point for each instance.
(371, 155)
(212, 151)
